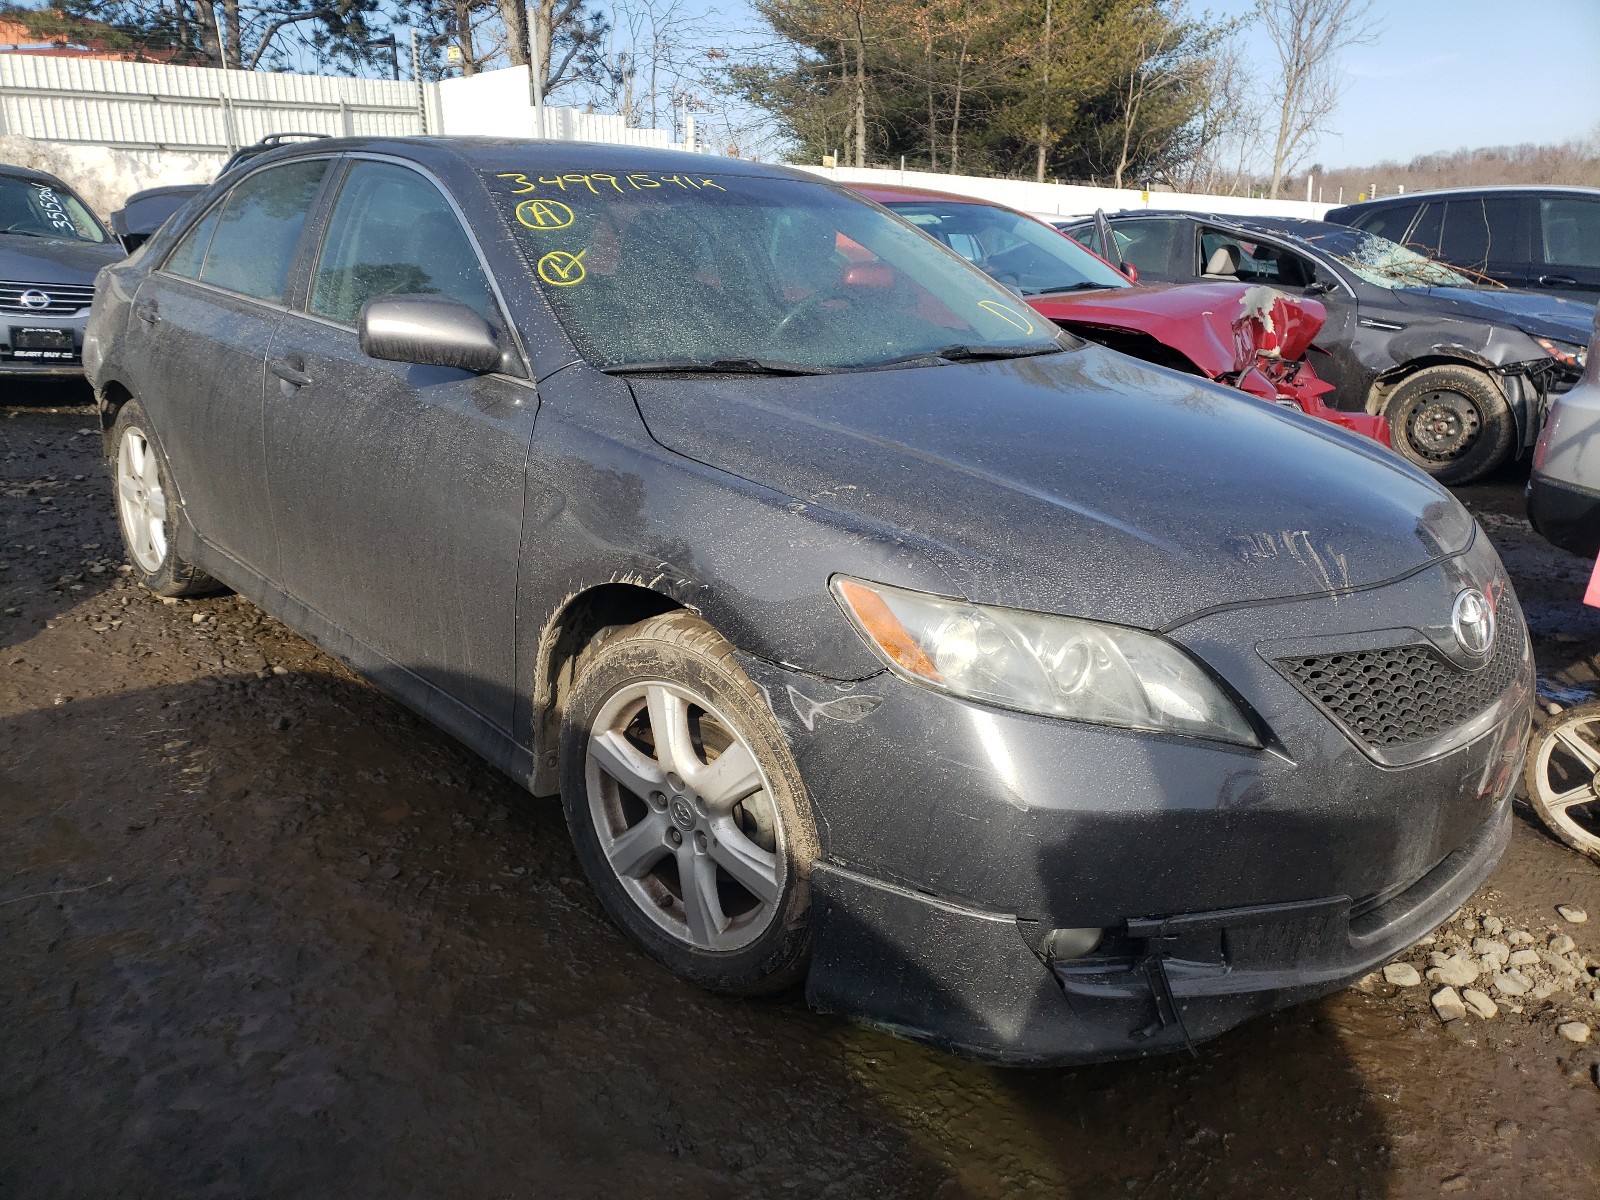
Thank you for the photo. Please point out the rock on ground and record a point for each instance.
(1402, 975)
(1480, 1004)
(1574, 1031)
(1572, 913)
(1447, 1003)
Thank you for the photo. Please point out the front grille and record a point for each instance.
(1407, 694)
(62, 299)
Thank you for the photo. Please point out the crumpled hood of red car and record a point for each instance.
(1195, 319)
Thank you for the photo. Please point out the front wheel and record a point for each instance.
(686, 808)
(147, 509)
(1452, 422)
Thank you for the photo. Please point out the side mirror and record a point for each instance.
(1131, 271)
(429, 331)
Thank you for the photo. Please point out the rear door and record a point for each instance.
(1568, 245)
(397, 489)
(204, 321)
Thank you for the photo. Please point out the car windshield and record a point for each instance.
(751, 272)
(1385, 264)
(1016, 250)
(32, 209)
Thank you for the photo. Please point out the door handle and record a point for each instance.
(290, 371)
(147, 312)
(1558, 281)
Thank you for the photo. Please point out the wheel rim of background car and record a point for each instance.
(1566, 764)
(1442, 425)
(684, 815)
(140, 500)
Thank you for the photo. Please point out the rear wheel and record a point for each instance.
(147, 509)
(1563, 762)
(686, 808)
(1452, 422)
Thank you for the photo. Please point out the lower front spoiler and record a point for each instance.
(968, 981)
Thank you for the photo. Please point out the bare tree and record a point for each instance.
(1309, 36)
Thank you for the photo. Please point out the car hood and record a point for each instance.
(1085, 483)
(1532, 312)
(53, 260)
(1195, 319)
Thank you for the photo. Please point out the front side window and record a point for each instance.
(1570, 231)
(250, 243)
(1147, 244)
(654, 267)
(43, 210)
(1477, 232)
(1230, 256)
(393, 233)
(1020, 252)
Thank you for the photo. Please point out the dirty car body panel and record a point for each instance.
(447, 530)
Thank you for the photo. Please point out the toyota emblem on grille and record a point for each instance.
(1473, 622)
(34, 298)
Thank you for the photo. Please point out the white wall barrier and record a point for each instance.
(1071, 200)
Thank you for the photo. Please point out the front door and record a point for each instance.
(206, 321)
(397, 489)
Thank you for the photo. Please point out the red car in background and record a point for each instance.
(1253, 338)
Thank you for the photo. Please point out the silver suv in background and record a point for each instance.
(1564, 488)
(51, 248)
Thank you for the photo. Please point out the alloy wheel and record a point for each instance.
(141, 502)
(1562, 778)
(685, 816)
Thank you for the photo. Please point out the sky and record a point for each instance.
(1449, 74)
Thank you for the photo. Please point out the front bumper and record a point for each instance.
(969, 982)
(1228, 881)
(1565, 515)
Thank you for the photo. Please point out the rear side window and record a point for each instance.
(1391, 222)
(254, 231)
(1570, 231)
(393, 233)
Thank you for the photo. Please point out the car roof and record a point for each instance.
(492, 153)
(888, 192)
(1300, 228)
(32, 176)
(1498, 189)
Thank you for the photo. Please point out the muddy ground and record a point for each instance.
(266, 934)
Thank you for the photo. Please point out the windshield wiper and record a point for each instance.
(717, 366)
(24, 233)
(1084, 286)
(966, 353)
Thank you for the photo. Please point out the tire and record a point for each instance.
(1452, 422)
(1563, 761)
(147, 509)
(649, 814)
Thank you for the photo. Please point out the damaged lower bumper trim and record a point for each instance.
(967, 980)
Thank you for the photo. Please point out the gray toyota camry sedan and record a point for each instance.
(1006, 691)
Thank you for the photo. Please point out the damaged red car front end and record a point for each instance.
(1252, 338)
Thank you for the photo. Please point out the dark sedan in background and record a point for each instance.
(51, 248)
(1464, 373)
(1009, 691)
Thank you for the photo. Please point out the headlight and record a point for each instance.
(1576, 357)
(1038, 663)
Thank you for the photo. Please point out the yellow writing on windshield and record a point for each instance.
(544, 214)
(1009, 315)
(597, 181)
(560, 268)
